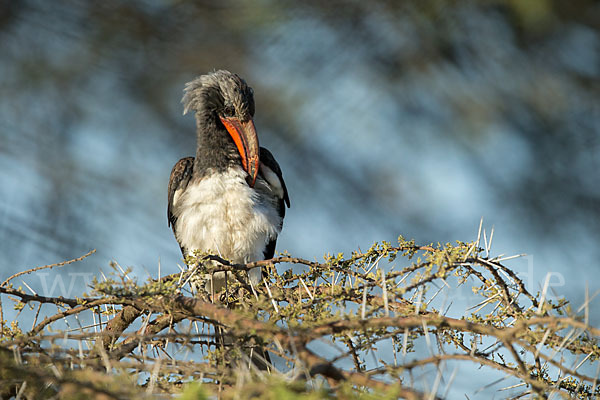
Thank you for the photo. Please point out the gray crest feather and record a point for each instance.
(230, 87)
(191, 95)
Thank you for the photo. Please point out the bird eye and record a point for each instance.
(228, 111)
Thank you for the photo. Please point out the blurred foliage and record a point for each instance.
(353, 96)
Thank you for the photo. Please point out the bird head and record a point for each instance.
(226, 99)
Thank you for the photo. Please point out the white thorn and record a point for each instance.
(271, 296)
(32, 291)
(306, 288)
(544, 291)
(479, 232)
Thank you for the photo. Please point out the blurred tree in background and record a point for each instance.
(387, 117)
(411, 116)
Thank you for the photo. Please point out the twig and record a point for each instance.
(60, 264)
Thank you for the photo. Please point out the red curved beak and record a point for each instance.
(244, 135)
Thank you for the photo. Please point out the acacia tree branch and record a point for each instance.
(346, 298)
(25, 297)
(59, 264)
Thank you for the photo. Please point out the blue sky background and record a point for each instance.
(416, 119)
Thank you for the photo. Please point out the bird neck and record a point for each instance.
(216, 150)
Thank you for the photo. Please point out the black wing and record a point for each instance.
(179, 179)
(269, 161)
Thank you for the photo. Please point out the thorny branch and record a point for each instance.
(346, 302)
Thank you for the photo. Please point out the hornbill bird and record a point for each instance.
(230, 199)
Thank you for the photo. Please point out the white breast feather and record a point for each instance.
(221, 214)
